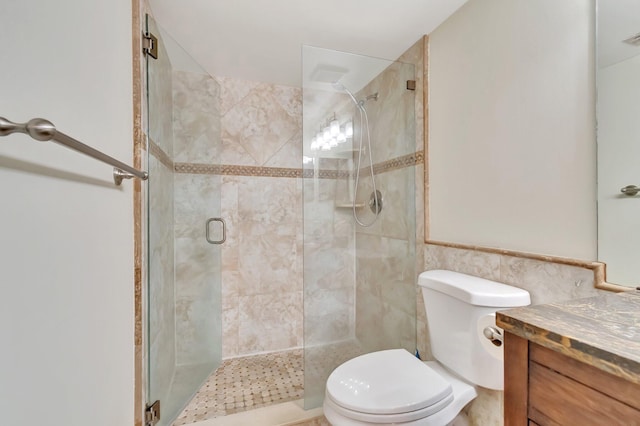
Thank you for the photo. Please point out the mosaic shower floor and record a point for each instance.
(246, 383)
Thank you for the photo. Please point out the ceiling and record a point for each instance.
(261, 40)
(617, 21)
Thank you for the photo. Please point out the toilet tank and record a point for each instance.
(459, 307)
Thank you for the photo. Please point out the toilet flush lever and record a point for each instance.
(493, 334)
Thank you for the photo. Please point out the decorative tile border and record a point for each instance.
(280, 172)
(232, 170)
(160, 155)
(399, 163)
(598, 268)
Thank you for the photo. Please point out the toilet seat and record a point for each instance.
(394, 387)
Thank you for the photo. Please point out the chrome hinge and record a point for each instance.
(150, 45)
(152, 414)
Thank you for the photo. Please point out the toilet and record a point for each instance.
(393, 387)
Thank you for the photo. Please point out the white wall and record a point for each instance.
(66, 250)
(618, 153)
(512, 130)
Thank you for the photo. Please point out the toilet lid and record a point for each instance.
(386, 382)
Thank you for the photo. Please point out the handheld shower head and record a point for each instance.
(339, 86)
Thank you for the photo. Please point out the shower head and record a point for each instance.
(339, 86)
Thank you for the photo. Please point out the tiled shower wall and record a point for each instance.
(196, 126)
(258, 135)
(262, 258)
(385, 251)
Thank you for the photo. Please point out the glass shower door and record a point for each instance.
(184, 321)
(359, 281)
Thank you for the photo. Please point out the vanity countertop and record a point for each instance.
(602, 331)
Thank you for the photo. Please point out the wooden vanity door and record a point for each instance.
(547, 388)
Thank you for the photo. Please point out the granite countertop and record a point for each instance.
(603, 331)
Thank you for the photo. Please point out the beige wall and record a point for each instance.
(511, 105)
(66, 256)
(618, 150)
(511, 127)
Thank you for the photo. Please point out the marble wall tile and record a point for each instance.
(547, 282)
(267, 262)
(484, 265)
(197, 272)
(328, 315)
(392, 116)
(233, 90)
(196, 118)
(369, 320)
(385, 272)
(398, 189)
(197, 264)
(238, 123)
(262, 257)
(270, 322)
(261, 120)
(197, 329)
(230, 249)
(289, 155)
(231, 324)
(197, 198)
(398, 328)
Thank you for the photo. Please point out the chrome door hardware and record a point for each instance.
(224, 230)
(150, 45)
(630, 190)
(152, 414)
(493, 334)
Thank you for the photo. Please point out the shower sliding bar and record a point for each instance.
(43, 130)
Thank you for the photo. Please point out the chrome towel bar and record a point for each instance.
(43, 130)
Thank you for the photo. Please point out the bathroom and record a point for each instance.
(83, 359)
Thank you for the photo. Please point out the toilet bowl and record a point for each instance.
(393, 387)
(398, 389)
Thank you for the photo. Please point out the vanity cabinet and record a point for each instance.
(547, 388)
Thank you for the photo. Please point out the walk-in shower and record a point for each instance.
(297, 274)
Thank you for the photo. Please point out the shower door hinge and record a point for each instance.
(150, 45)
(152, 414)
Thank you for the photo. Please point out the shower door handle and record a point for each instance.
(224, 230)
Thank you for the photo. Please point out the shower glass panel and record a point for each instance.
(359, 281)
(183, 283)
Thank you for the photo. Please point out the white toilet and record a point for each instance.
(395, 387)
